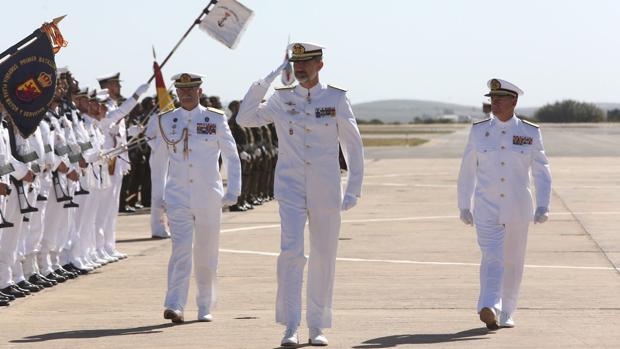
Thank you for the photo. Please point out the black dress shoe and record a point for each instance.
(4, 302)
(64, 273)
(23, 290)
(55, 277)
(237, 208)
(75, 269)
(38, 279)
(8, 296)
(53, 281)
(25, 285)
(70, 269)
(13, 291)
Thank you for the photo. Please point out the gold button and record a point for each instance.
(307, 130)
(502, 163)
(326, 124)
(307, 145)
(503, 147)
(501, 195)
(307, 162)
(190, 165)
(502, 179)
(191, 181)
(503, 132)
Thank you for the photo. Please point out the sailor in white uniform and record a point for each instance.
(194, 194)
(311, 120)
(502, 154)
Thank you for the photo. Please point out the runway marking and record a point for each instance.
(404, 261)
(406, 219)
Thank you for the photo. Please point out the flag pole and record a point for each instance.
(197, 21)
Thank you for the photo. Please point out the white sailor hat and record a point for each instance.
(187, 80)
(304, 51)
(107, 78)
(499, 87)
(99, 96)
(62, 70)
(83, 92)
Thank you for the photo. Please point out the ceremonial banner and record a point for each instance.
(226, 21)
(163, 97)
(28, 80)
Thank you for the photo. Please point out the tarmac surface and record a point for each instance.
(407, 273)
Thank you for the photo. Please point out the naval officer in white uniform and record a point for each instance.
(194, 194)
(311, 119)
(502, 154)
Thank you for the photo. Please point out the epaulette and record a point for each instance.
(215, 110)
(166, 112)
(530, 123)
(336, 88)
(481, 121)
(282, 88)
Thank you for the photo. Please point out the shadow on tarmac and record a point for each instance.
(82, 334)
(396, 340)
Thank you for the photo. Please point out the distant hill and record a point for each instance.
(406, 110)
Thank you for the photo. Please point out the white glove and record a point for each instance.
(272, 76)
(244, 156)
(348, 202)
(541, 215)
(229, 199)
(257, 152)
(141, 89)
(135, 130)
(467, 217)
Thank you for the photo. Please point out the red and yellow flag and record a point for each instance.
(163, 97)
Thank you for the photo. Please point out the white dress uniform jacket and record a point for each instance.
(498, 161)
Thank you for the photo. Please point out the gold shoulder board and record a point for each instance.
(481, 121)
(530, 123)
(283, 88)
(215, 110)
(337, 88)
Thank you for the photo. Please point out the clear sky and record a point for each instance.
(442, 50)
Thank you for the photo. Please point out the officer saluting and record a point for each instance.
(194, 194)
(500, 155)
(310, 120)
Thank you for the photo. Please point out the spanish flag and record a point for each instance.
(163, 97)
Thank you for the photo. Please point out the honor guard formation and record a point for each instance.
(97, 153)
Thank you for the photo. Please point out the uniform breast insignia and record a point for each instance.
(289, 103)
(521, 140)
(323, 112)
(290, 131)
(487, 134)
(205, 128)
(292, 112)
(284, 88)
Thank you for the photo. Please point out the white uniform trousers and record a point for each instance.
(501, 268)
(84, 221)
(9, 239)
(111, 201)
(101, 216)
(202, 228)
(324, 227)
(158, 181)
(55, 233)
(28, 239)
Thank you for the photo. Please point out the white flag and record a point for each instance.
(227, 21)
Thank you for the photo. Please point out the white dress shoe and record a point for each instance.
(505, 320)
(489, 317)
(173, 315)
(317, 338)
(290, 338)
(204, 315)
